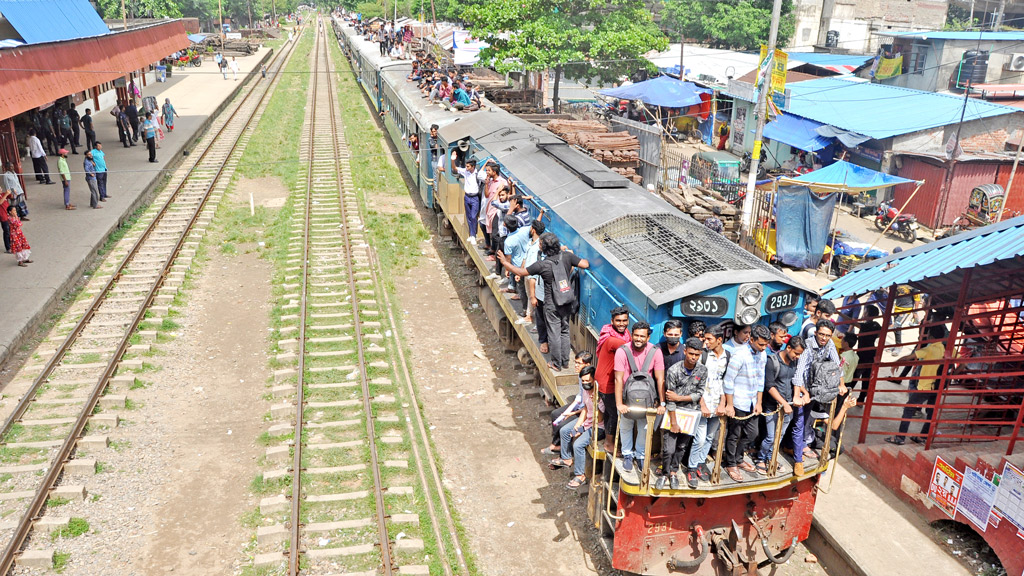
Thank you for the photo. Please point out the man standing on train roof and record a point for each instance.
(612, 337)
(743, 387)
(471, 180)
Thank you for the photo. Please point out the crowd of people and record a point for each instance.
(756, 380)
(394, 41)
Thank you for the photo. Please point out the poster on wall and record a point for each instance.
(1009, 501)
(944, 488)
(977, 496)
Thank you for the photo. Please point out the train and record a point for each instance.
(644, 254)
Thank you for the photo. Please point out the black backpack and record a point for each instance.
(639, 391)
(823, 378)
(561, 290)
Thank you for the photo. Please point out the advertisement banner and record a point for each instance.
(977, 496)
(889, 67)
(944, 488)
(1009, 501)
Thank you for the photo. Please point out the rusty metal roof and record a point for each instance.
(37, 74)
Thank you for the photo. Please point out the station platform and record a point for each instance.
(64, 243)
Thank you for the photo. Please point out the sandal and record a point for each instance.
(576, 482)
(761, 468)
(897, 440)
(808, 453)
(559, 463)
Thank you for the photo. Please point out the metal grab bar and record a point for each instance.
(615, 450)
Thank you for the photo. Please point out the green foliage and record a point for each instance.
(60, 561)
(76, 527)
(958, 19)
(585, 38)
(140, 8)
(729, 24)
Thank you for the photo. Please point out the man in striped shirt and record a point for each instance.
(743, 387)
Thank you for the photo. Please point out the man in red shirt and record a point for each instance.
(612, 337)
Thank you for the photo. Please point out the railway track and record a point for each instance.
(356, 498)
(86, 365)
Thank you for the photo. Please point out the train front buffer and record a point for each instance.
(727, 535)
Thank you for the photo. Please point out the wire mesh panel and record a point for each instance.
(666, 250)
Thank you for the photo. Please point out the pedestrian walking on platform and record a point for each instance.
(90, 180)
(90, 132)
(65, 177)
(35, 150)
(149, 131)
(19, 245)
(234, 69)
(169, 113)
(12, 183)
(100, 159)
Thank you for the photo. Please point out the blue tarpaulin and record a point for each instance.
(38, 21)
(660, 91)
(797, 132)
(845, 177)
(802, 225)
(197, 38)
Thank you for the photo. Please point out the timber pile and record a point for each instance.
(703, 204)
(629, 173)
(611, 148)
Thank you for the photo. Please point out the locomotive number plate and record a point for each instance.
(779, 301)
(704, 306)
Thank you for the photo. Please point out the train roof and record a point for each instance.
(667, 254)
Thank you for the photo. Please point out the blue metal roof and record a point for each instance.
(38, 21)
(979, 247)
(952, 35)
(796, 131)
(881, 111)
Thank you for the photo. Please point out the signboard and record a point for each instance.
(233, 35)
(1009, 502)
(977, 496)
(944, 488)
(778, 73)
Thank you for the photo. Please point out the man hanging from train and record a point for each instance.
(471, 180)
(744, 387)
(685, 383)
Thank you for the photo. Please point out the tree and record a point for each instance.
(729, 24)
(139, 9)
(582, 39)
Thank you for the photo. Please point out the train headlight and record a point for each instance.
(788, 318)
(748, 303)
(750, 294)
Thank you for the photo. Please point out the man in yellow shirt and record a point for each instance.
(922, 390)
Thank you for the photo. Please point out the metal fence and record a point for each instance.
(650, 147)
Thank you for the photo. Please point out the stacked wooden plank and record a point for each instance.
(703, 204)
(630, 173)
(615, 149)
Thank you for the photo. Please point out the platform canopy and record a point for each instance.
(841, 176)
(797, 132)
(38, 21)
(660, 91)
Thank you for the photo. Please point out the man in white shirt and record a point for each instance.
(471, 180)
(35, 150)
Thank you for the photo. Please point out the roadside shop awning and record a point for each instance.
(841, 176)
(660, 91)
(38, 21)
(797, 132)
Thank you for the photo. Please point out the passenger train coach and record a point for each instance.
(643, 254)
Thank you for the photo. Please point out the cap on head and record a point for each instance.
(62, 152)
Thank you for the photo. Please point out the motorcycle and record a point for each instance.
(745, 163)
(905, 225)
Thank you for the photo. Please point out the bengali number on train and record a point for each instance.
(704, 306)
(779, 301)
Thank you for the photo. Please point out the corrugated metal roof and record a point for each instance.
(34, 75)
(840, 63)
(979, 247)
(953, 35)
(51, 20)
(881, 111)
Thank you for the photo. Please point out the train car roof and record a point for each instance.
(667, 254)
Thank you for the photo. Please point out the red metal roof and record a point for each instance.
(37, 74)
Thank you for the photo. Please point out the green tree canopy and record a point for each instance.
(729, 24)
(140, 8)
(585, 39)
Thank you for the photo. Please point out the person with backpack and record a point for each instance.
(822, 311)
(684, 385)
(778, 386)
(712, 405)
(559, 296)
(639, 385)
(817, 381)
(743, 387)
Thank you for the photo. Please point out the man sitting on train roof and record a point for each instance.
(744, 387)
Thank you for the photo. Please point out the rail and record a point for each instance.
(53, 473)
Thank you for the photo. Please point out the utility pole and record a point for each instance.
(220, 12)
(760, 113)
(998, 22)
(273, 6)
(124, 16)
(1013, 172)
(682, 42)
(248, 8)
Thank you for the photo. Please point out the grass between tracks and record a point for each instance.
(397, 240)
(273, 149)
